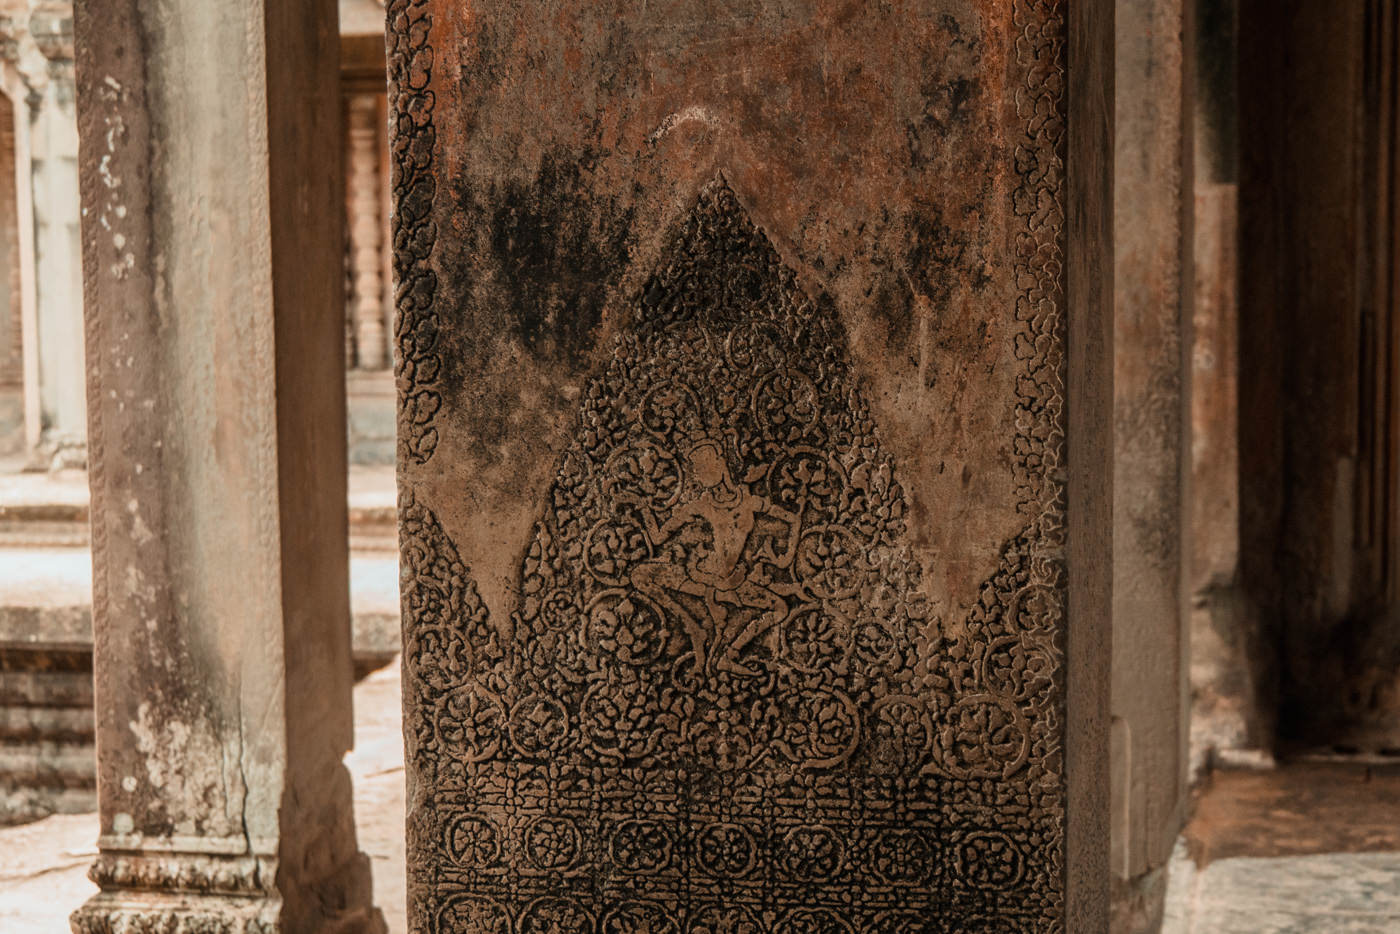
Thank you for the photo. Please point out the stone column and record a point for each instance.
(53, 139)
(38, 74)
(1225, 718)
(365, 229)
(754, 421)
(11, 306)
(1319, 454)
(1152, 301)
(212, 248)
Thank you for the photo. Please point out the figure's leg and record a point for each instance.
(774, 609)
(658, 581)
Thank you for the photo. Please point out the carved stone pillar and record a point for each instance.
(755, 388)
(365, 227)
(221, 625)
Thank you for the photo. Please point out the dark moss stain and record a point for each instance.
(939, 259)
(555, 247)
(936, 258)
(947, 88)
(893, 303)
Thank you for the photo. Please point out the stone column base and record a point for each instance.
(196, 886)
(177, 913)
(183, 913)
(195, 893)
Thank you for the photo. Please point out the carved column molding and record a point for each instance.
(222, 663)
(365, 228)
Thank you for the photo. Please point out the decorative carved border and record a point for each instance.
(1039, 201)
(1040, 466)
(413, 138)
(196, 873)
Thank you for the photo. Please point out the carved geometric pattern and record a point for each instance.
(721, 703)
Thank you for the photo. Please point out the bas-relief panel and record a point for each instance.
(719, 700)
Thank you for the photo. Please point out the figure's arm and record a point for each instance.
(794, 523)
(656, 534)
(679, 519)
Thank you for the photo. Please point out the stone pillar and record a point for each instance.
(53, 139)
(754, 421)
(1319, 454)
(1152, 300)
(370, 382)
(212, 248)
(37, 50)
(11, 306)
(1225, 715)
(365, 227)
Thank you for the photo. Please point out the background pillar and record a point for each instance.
(1225, 716)
(366, 229)
(1152, 265)
(53, 150)
(212, 272)
(1319, 385)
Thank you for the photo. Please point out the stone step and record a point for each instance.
(29, 724)
(46, 597)
(22, 805)
(46, 689)
(48, 764)
(50, 510)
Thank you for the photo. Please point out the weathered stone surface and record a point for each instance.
(732, 344)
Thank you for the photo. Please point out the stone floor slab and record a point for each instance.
(1332, 893)
(43, 872)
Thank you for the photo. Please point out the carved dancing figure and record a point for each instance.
(714, 570)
